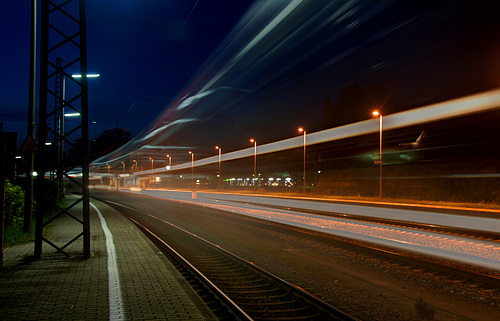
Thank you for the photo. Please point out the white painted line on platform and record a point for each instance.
(116, 307)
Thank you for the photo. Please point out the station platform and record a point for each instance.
(126, 277)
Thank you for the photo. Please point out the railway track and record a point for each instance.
(222, 275)
(484, 278)
(478, 277)
(235, 288)
(391, 222)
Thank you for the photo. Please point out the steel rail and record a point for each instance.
(232, 308)
(313, 308)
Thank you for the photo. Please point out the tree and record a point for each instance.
(106, 142)
(109, 140)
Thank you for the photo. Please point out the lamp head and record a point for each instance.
(88, 76)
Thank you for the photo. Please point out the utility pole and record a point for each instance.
(28, 194)
(3, 154)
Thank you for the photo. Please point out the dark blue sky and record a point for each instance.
(145, 51)
(220, 72)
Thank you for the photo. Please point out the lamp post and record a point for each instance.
(134, 163)
(110, 180)
(192, 169)
(304, 171)
(379, 161)
(254, 161)
(118, 179)
(219, 172)
(152, 161)
(60, 124)
(169, 162)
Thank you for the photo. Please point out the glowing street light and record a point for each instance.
(379, 161)
(152, 160)
(219, 172)
(134, 163)
(304, 176)
(123, 167)
(169, 162)
(192, 169)
(88, 76)
(60, 121)
(254, 161)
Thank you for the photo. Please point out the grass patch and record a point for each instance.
(14, 234)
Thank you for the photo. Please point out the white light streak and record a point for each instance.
(472, 104)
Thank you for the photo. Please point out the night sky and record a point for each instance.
(145, 52)
(221, 72)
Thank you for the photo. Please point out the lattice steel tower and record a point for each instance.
(63, 52)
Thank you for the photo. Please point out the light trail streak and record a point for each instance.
(282, 35)
(257, 39)
(163, 128)
(471, 104)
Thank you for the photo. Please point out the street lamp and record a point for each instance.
(72, 114)
(88, 76)
(60, 122)
(152, 160)
(169, 162)
(134, 163)
(304, 176)
(110, 180)
(118, 180)
(254, 161)
(219, 172)
(192, 169)
(379, 161)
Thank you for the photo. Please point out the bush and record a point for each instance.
(14, 204)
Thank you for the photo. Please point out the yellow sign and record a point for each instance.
(28, 145)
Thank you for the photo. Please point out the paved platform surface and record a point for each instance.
(141, 284)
